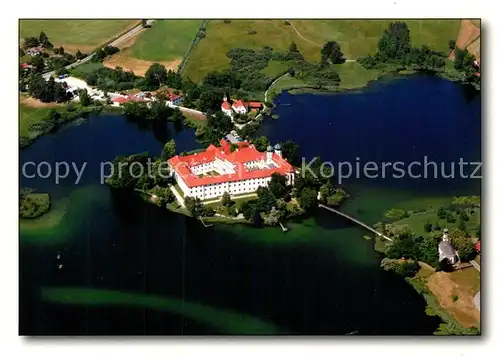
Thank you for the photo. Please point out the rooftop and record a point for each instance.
(244, 154)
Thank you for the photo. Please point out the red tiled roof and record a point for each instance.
(182, 164)
(174, 97)
(25, 65)
(255, 104)
(478, 74)
(226, 105)
(135, 98)
(239, 104)
(120, 100)
(478, 246)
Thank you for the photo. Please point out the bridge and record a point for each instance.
(354, 220)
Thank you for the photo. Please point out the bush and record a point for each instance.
(252, 32)
(227, 21)
(286, 23)
(454, 297)
(408, 268)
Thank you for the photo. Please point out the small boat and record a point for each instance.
(59, 266)
(355, 332)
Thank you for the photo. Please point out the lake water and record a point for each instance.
(129, 267)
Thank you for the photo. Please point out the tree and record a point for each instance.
(156, 75)
(308, 198)
(79, 55)
(331, 52)
(462, 226)
(233, 147)
(159, 111)
(261, 143)
(291, 152)
(451, 44)
(428, 227)
(210, 99)
(277, 185)
(293, 47)
(85, 99)
(168, 150)
(266, 200)
(395, 42)
(38, 63)
(44, 40)
(226, 199)
(478, 231)
(31, 42)
(462, 244)
(194, 206)
(144, 23)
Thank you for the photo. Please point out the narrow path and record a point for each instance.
(272, 84)
(476, 265)
(311, 42)
(354, 220)
(179, 198)
(300, 35)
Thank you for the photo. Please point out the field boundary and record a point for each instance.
(131, 27)
(194, 42)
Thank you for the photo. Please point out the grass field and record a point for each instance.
(82, 70)
(356, 38)
(166, 40)
(28, 116)
(417, 220)
(210, 53)
(353, 75)
(360, 37)
(74, 34)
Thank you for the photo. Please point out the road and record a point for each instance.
(120, 40)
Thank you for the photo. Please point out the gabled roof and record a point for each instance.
(239, 104)
(226, 105)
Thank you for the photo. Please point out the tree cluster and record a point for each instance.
(395, 47)
(47, 91)
(104, 52)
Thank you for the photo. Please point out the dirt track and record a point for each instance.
(469, 37)
(443, 287)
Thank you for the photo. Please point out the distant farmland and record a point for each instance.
(356, 38)
(75, 34)
(166, 40)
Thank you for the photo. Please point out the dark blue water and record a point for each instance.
(322, 277)
(401, 120)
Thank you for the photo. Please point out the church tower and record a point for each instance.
(269, 154)
(277, 149)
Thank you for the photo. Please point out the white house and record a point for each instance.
(209, 174)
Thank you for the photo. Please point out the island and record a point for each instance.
(33, 205)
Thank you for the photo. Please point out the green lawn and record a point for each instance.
(210, 53)
(82, 70)
(360, 37)
(166, 40)
(29, 116)
(275, 68)
(353, 75)
(417, 220)
(73, 33)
